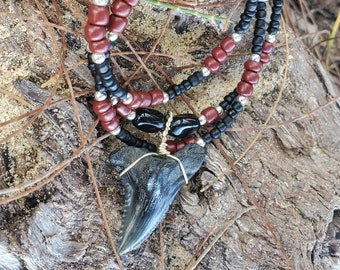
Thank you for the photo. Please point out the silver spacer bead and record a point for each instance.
(219, 109)
(236, 37)
(200, 142)
(114, 101)
(255, 57)
(242, 99)
(99, 96)
(98, 58)
(128, 99)
(271, 38)
(166, 97)
(112, 36)
(205, 71)
(131, 115)
(88, 48)
(116, 131)
(100, 2)
(202, 119)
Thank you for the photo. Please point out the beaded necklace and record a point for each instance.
(106, 20)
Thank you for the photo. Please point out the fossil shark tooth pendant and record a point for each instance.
(150, 188)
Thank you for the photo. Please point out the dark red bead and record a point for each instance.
(94, 33)
(265, 58)
(253, 66)
(121, 8)
(228, 44)
(136, 101)
(101, 46)
(171, 146)
(98, 15)
(157, 97)
(110, 125)
(123, 110)
(219, 54)
(244, 89)
(190, 139)
(146, 100)
(117, 24)
(132, 3)
(180, 145)
(250, 77)
(211, 114)
(101, 106)
(108, 115)
(212, 64)
(267, 47)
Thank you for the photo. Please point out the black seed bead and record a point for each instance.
(100, 88)
(102, 68)
(250, 14)
(194, 80)
(186, 84)
(215, 133)
(228, 120)
(122, 134)
(252, 1)
(237, 106)
(171, 92)
(89, 58)
(206, 137)
(251, 6)
(112, 45)
(258, 41)
(275, 17)
(181, 89)
(278, 3)
(260, 24)
(221, 127)
(132, 141)
(113, 87)
(256, 49)
(232, 113)
(225, 105)
(259, 32)
(241, 27)
(107, 55)
(276, 10)
(245, 17)
(120, 93)
(108, 83)
(151, 147)
(139, 142)
(97, 79)
(199, 75)
(107, 75)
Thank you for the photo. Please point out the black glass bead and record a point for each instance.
(276, 10)
(102, 68)
(245, 17)
(113, 87)
(225, 105)
(275, 17)
(194, 80)
(228, 120)
(215, 133)
(199, 75)
(119, 93)
(149, 120)
(259, 32)
(171, 92)
(251, 6)
(183, 125)
(256, 49)
(181, 90)
(237, 106)
(108, 83)
(260, 24)
(250, 14)
(274, 24)
(221, 127)
(107, 75)
(123, 134)
(278, 3)
(186, 84)
(232, 113)
(100, 88)
(261, 14)
(206, 137)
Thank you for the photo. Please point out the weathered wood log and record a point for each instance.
(290, 174)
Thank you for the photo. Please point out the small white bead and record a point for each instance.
(202, 119)
(128, 99)
(114, 101)
(99, 96)
(219, 109)
(131, 115)
(100, 2)
(205, 72)
(271, 38)
(98, 58)
(200, 142)
(116, 131)
(255, 57)
(112, 36)
(236, 37)
(242, 99)
(88, 48)
(166, 97)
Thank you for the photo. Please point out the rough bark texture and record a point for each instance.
(291, 173)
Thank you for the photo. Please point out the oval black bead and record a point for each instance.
(149, 120)
(183, 125)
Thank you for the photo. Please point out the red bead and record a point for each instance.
(211, 114)
(228, 44)
(101, 106)
(180, 145)
(146, 100)
(212, 64)
(267, 47)
(98, 15)
(190, 139)
(157, 97)
(219, 54)
(132, 3)
(244, 89)
(171, 146)
(123, 110)
(265, 58)
(110, 125)
(121, 8)
(250, 77)
(136, 101)
(117, 24)
(108, 115)
(94, 33)
(253, 66)
(101, 46)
